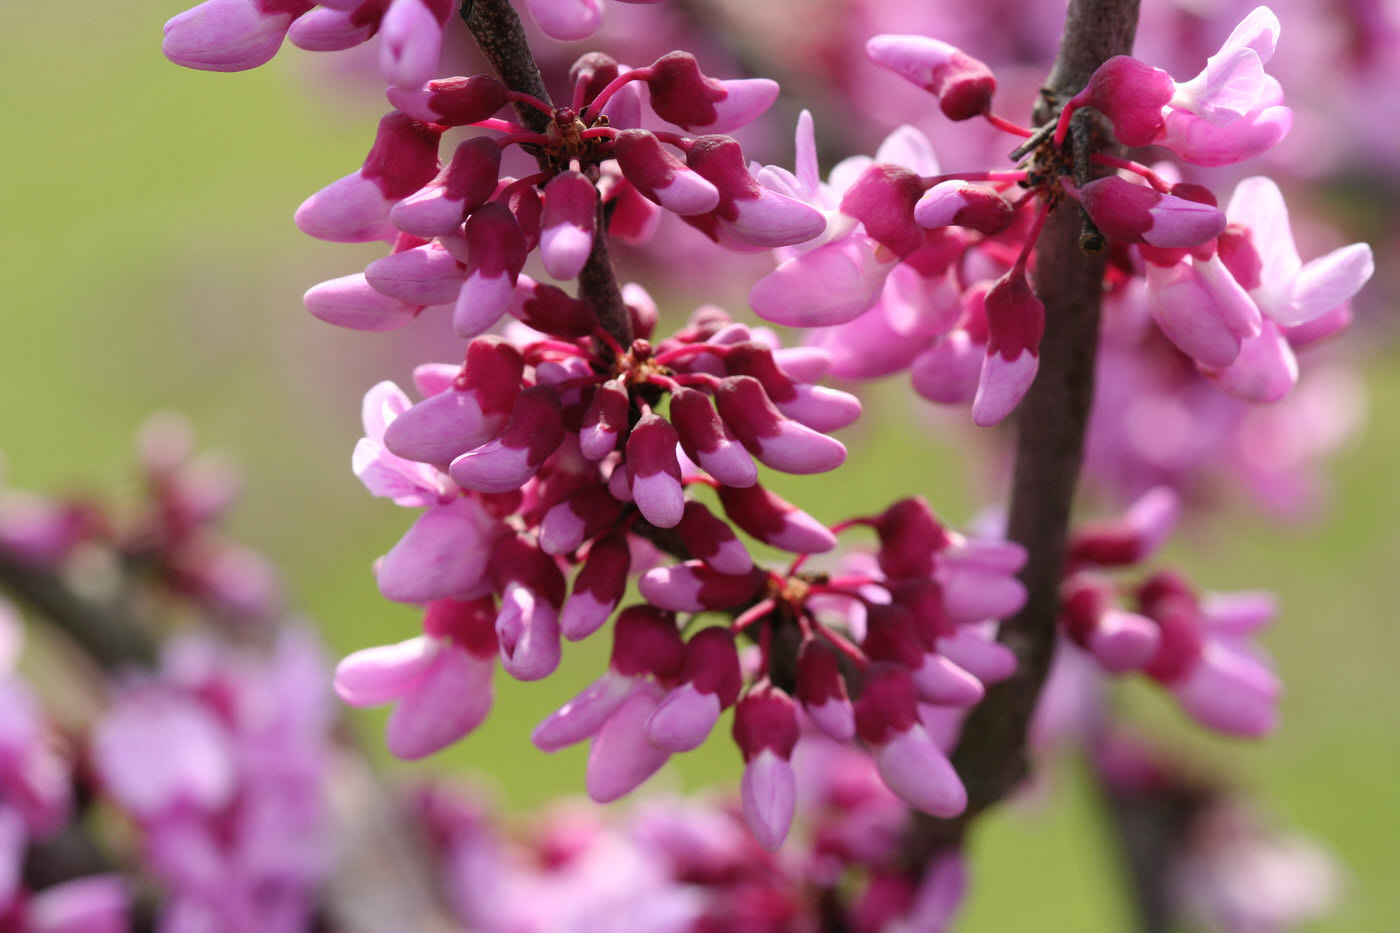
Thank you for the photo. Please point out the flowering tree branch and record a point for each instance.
(1051, 424)
(496, 27)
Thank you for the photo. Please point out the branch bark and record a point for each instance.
(1051, 423)
(105, 632)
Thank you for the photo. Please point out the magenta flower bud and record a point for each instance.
(779, 442)
(464, 184)
(817, 407)
(646, 643)
(350, 301)
(230, 35)
(891, 636)
(708, 442)
(710, 683)
(1131, 94)
(964, 204)
(454, 692)
(1131, 538)
(327, 30)
(535, 430)
(1015, 324)
(532, 590)
(661, 177)
(694, 587)
(598, 588)
(1138, 214)
(910, 536)
(496, 253)
(712, 540)
(910, 764)
(963, 85)
(653, 472)
(551, 310)
(410, 41)
(583, 516)
(621, 757)
(765, 516)
(822, 690)
(452, 101)
(633, 218)
(470, 623)
(566, 228)
(605, 420)
(1121, 641)
(882, 198)
(445, 555)
(422, 276)
(355, 209)
(595, 71)
(748, 212)
(682, 95)
(474, 409)
(1218, 680)
(765, 729)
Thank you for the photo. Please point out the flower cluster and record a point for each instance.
(580, 445)
(531, 460)
(687, 866)
(929, 271)
(171, 540)
(1196, 646)
(218, 760)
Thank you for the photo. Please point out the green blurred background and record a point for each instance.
(150, 263)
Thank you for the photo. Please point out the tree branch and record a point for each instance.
(103, 630)
(496, 28)
(992, 756)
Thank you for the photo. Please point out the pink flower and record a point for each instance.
(440, 681)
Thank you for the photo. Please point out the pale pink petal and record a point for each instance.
(831, 284)
(1002, 385)
(920, 774)
(1325, 283)
(683, 719)
(621, 757)
(768, 793)
(567, 19)
(1265, 371)
(450, 700)
(351, 302)
(385, 673)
